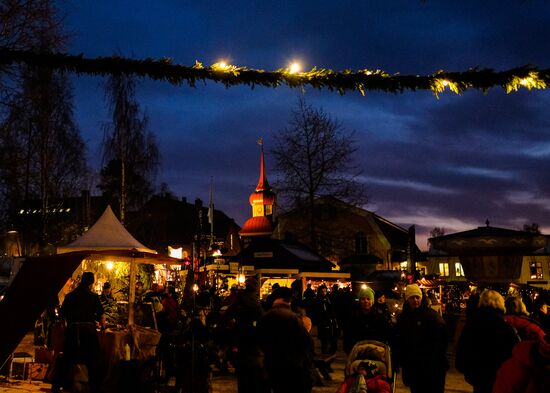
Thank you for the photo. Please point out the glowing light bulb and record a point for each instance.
(364, 286)
(195, 288)
(110, 265)
(294, 68)
(220, 66)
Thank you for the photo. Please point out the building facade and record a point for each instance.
(492, 255)
(351, 237)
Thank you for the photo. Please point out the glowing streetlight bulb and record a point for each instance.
(222, 64)
(294, 68)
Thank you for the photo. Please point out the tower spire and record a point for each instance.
(262, 181)
(262, 201)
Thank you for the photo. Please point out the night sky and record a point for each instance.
(451, 162)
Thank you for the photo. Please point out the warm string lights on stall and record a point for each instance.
(364, 80)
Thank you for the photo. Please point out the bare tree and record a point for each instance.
(26, 24)
(314, 158)
(532, 228)
(42, 155)
(437, 231)
(130, 153)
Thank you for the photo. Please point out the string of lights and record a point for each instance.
(482, 79)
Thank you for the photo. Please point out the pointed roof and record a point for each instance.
(262, 181)
(106, 234)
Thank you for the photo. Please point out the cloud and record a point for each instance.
(405, 183)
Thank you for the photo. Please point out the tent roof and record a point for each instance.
(106, 234)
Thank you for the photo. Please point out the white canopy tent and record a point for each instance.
(108, 238)
(106, 234)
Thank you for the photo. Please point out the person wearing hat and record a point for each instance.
(287, 346)
(527, 371)
(421, 348)
(82, 310)
(364, 323)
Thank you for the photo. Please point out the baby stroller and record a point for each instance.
(369, 368)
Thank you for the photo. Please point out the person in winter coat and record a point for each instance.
(365, 323)
(287, 346)
(421, 344)
(540, 314)
(516, 316)
(485, 343)
(527, 371)
(324, 317)
(245, 313)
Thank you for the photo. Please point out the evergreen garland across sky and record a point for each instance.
(528, 77)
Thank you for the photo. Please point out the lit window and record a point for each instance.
(444, 269)
(459, 270)
(535, 269)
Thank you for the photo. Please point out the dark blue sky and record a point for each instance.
(451, 162)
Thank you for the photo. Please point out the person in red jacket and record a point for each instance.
(527, 371)
(516, 316)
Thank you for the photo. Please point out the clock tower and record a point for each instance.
(262, 201)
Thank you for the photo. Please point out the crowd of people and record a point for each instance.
(503, 348)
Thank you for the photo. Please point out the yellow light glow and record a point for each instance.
(294, 68)
(241, 279)
(175, 252)
(109, 265)
(195, 287)
(222, 65)
(364, 286)
(217, 253)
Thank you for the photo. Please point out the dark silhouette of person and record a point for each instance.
(324, 317)
(287, 346)
(421, 344)
(81, 310)
(245, 314)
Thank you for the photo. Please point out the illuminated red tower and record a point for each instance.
(262, 200)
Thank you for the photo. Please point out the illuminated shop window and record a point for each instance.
(444, 269)
(535, 268)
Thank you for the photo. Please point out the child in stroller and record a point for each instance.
(368, 369)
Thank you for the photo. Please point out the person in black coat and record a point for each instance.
(287, 346)
(421, 344)
(485, 343)
(82, 310)
(366, 323)
(246, 312)
(324, 317)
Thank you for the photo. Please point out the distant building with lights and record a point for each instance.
(41, 230)
(492, 255)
